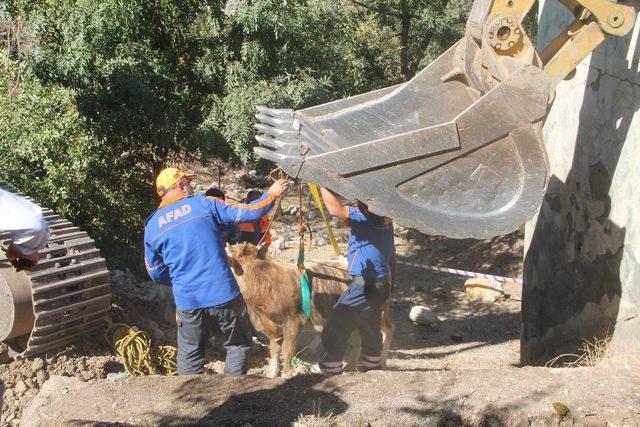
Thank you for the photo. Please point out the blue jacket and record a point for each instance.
(184, 248)
(370, 244)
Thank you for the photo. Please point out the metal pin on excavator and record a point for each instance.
(457, 150)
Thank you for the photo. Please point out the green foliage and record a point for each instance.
(47, 150)
(97, 96)
(131, 66)
(422, 29)
(293, 55)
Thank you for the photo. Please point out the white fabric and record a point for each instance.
(24, 220)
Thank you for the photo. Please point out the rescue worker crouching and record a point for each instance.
(370, 251)
(184, 248)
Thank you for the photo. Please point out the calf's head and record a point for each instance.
(242, 254)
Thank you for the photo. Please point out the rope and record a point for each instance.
(167, 356)
(302, 227)
(134, 350)
(462, 272)
(276, 208)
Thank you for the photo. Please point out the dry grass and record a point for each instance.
(315, 420)
(592, 353)
(318, 418)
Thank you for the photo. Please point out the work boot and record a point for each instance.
(369, 363)
(331, 368)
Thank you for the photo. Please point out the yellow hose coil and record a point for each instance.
(134, 350)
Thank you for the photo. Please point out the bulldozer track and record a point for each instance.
(69, 289)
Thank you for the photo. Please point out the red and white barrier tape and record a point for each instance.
(462, 272)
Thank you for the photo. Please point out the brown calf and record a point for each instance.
(272, 294)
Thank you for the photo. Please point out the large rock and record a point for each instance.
(21, 388)
(582, 250)
(37, 364)
(485, 290)
(52, 389)
(423, 315)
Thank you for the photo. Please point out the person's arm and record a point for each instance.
(333, 204)
(28, 229)
(235, 214)
(156, 267)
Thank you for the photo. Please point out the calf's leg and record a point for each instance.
(388, 328)
(274, 355)
(292, 329)
(274, 332)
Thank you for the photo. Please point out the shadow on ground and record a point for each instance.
(465, 326)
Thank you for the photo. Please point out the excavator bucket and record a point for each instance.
(457, 150)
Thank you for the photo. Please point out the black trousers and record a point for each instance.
(194, 328)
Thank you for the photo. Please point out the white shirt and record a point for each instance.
(24, 220)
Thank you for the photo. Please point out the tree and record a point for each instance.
(424, 29)
(294, 54)
(47, 151)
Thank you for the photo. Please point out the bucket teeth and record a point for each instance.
(279, 138)
(277, 144)
(290, 163)
(277, 131)
(275, 121)
(275, 112)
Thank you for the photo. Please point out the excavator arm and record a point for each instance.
(457, 150)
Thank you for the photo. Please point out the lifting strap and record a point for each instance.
(316, 197)
(305, 281)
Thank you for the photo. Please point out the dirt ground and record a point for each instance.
(503, 396)
(462, 369)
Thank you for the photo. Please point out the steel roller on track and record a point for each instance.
(67, 295)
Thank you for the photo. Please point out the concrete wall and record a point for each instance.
(582, 252)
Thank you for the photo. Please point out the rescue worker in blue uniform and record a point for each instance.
(184, 249)
(370, 252)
